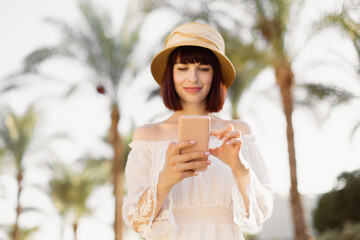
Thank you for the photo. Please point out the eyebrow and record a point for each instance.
(193, 63)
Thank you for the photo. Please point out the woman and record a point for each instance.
(168, 196)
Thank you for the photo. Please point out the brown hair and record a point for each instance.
(191, 54)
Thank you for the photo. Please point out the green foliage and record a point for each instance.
(330, 94)
(107, 53)
(26, 233)
(16, 134)
(249, 236)
(322, 99)
(339, 206)
(351, 231)
(71, 186)
(346, 22)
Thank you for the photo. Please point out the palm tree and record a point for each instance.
(248, 63)
(109, 57)
(71, 186)
(346, 23)
(25, 233)
(272, 19)
(16, 135)
(268, 30)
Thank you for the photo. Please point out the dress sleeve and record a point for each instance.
(140, 180)
(259, 190)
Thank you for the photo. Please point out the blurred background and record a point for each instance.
(75, 82)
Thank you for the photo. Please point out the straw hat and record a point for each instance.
(193, 34)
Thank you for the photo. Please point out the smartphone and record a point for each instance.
(195, 128)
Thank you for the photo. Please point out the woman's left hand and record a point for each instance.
(228, 152)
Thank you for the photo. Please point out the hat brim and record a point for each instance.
(159, 63)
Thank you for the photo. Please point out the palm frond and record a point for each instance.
(322, 93)
(25, 233)
(343, 22)
(32, 210)
(153, 93)
(17, 133)
(354, 130)
(71, 186)
(106, 53)
(38, 56)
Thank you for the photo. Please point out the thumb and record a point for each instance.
(171, 145)
(213, 151)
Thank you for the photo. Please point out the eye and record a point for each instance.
(181, 68)
(205, 68)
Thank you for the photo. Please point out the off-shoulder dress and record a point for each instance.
(208, 206)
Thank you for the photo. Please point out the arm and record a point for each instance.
(229, 153)
(148, 206)
(252, 199)
(149, 195)
(242, 174)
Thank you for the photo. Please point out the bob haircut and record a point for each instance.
(191, 54)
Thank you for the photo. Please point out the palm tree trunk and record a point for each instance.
(75, 227)
(234, 112)
(118, 162)
(62, 237)
(285, 80)
(17, 234)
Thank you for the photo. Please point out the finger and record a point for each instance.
(170, 146)
(206, 163)
(193, 165)
(191, 156)
(213, 151)
(232, 134)
(214, 132)
(225, 129)
(189, 173)
(234, 142)
(182, 144)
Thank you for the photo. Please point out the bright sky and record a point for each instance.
(322, 151)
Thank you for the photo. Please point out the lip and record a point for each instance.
(192, 89)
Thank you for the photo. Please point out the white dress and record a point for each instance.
(208, 206)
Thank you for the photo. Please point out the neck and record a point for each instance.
(190, 109)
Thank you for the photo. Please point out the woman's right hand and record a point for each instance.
(179, 166)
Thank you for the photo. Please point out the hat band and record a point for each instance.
(193, 36)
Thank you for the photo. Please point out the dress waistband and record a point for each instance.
(209, 214)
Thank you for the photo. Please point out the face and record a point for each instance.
(192, 81)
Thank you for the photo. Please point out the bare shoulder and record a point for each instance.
(160, 131)
(240, 125)
(146, 132)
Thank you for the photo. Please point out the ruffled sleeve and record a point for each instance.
(142, 175)
(259, 190)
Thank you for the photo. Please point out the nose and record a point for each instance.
(193, 74)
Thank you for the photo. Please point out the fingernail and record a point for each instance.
(192, 141)
(208, 162)
(228, 143)
(207, 153)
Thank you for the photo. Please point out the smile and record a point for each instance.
(192, 89)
